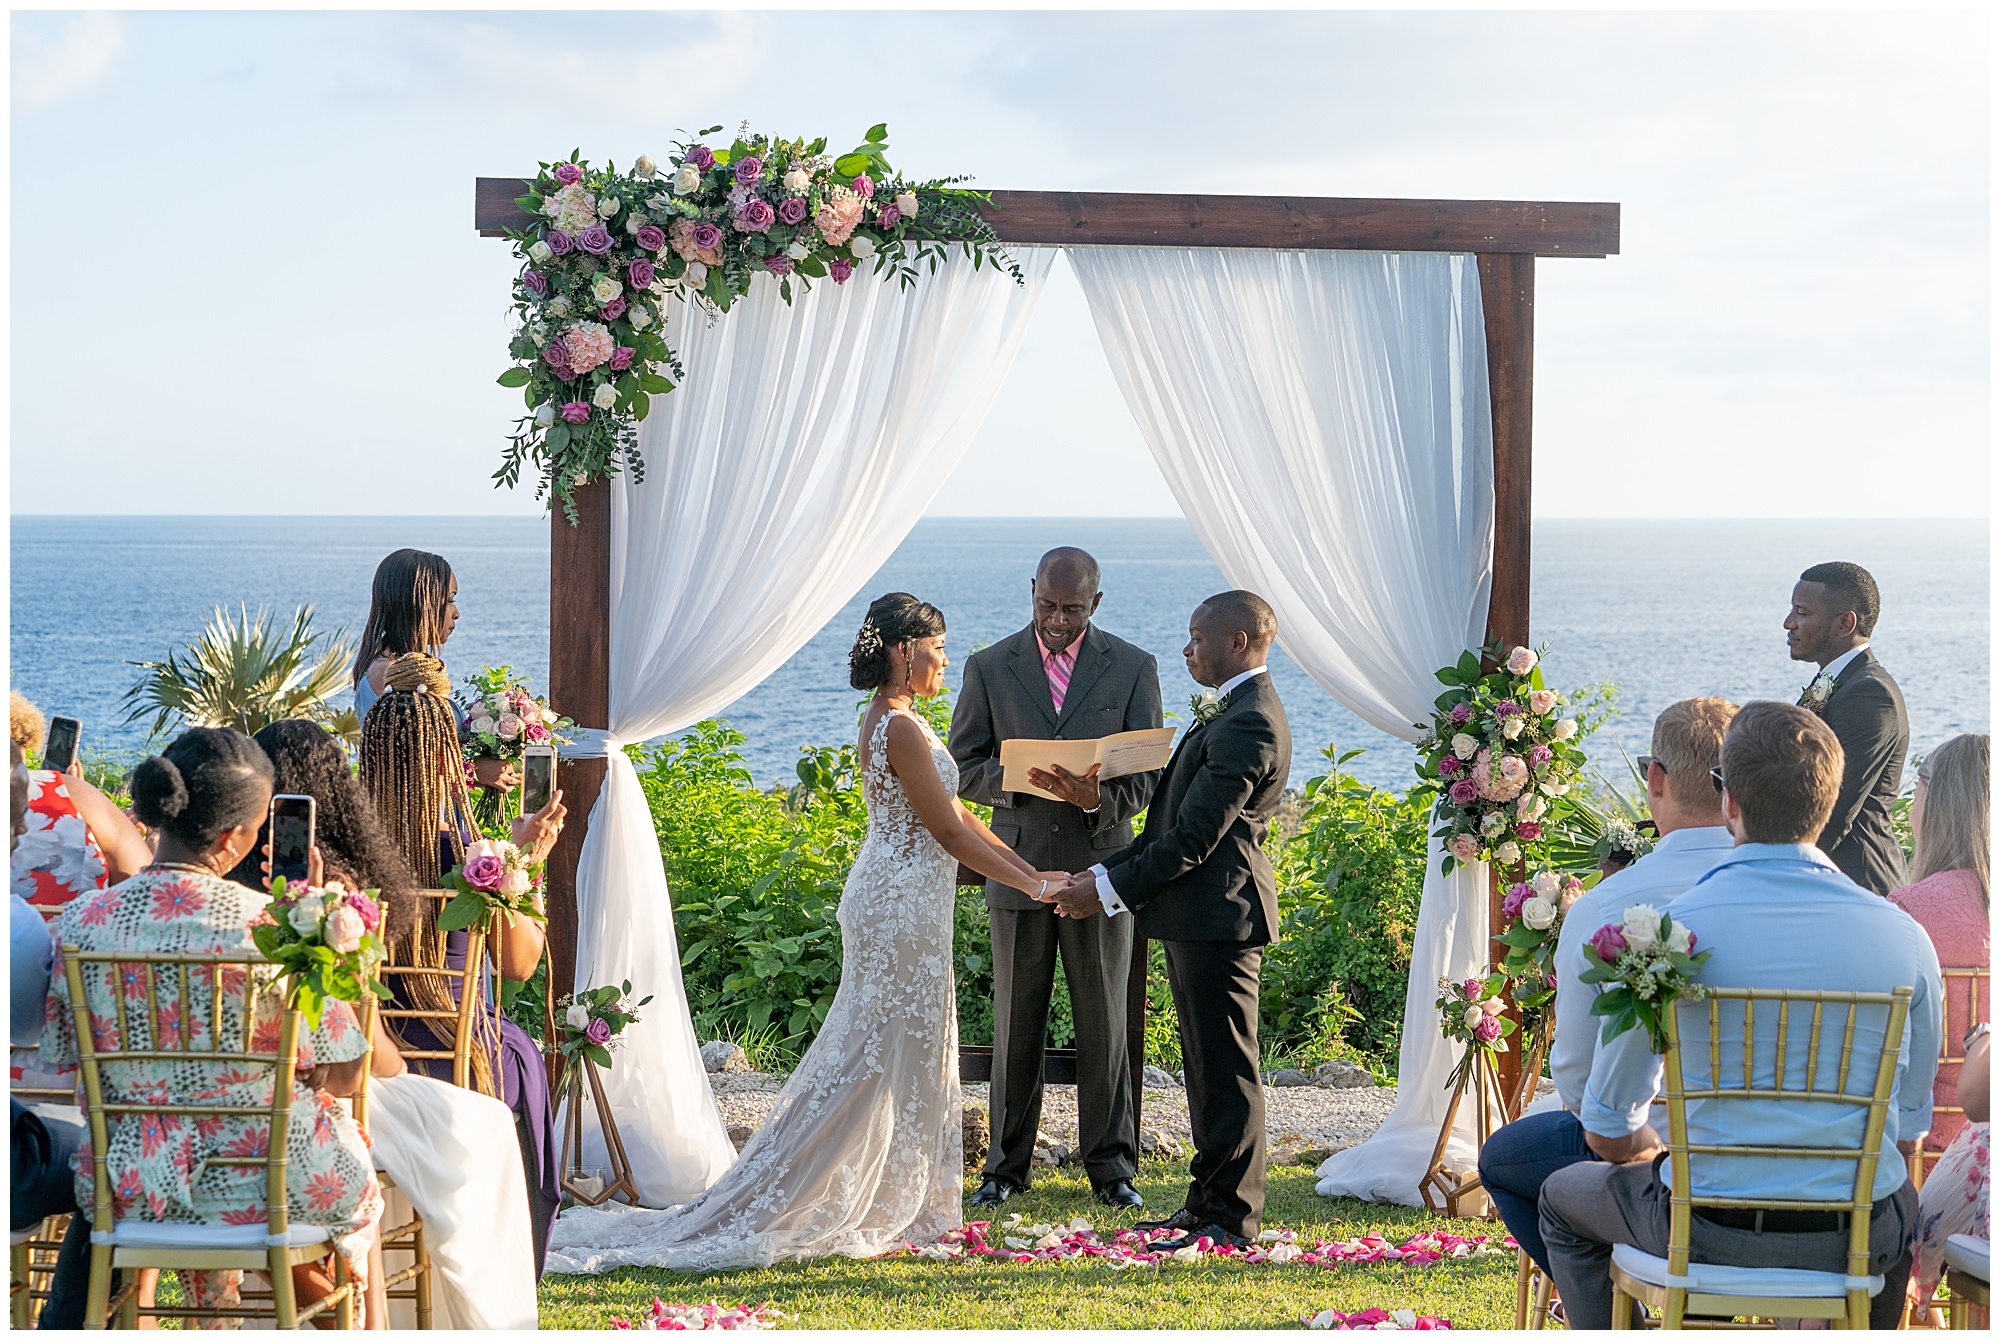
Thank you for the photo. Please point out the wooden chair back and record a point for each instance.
(1798, 1075)
(466, 984)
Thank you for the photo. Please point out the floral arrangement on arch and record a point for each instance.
(1534, 910)
(1470, 1012)
(610, 249)
(1644, 963)
(1501, 756)
(325, 941)
(589, 1023)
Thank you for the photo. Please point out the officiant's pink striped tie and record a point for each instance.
(1059, 668)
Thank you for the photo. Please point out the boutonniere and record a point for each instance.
(1816, 694)
(1205, 707)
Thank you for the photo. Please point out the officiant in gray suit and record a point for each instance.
(1060, 678)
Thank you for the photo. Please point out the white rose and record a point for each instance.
(577, 1016)
(540, 253)
(539, 334)
(508, 727)
(605, 396)
(697, 274)
(1552, 787)
(639, 316)
(545, 414)
(1473, 1014)
(550, 716)
(688, 180)
(798, 180)
(1464, 745)
(1548, 883)
(306, 912)
(645, 168)
(558, 305)
(1680, 939)
(797, 251)
(607, 207)
(1492, 822)
(1539, 913)
(862, 246)
(1512, 728)
(906, 204)
(1642, 926)
(604, 288)
(1565, 729)
(1507, 853)
(1492, 1005)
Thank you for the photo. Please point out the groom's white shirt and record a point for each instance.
(1839, 663)
(1107, 895)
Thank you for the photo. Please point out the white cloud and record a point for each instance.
(65, 58)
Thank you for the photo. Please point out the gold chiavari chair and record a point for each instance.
(1968, 1270)
(1951, 1057)
(193, 981)
(1673, 1286)
(31, 1265)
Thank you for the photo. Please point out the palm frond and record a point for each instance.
(244, 673)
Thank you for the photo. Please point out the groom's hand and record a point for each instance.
(1080, 791)
(1078, 898)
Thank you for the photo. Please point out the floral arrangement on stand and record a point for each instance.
(589, 1022)
(502, 718)
(1535, 910)
(325, 942)
(1023, 1242)
(1502, 757)
(610, 249)
(1644, 963)
(494, 879)
(702, 1317)
(1470, 1012)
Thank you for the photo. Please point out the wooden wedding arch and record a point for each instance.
(1506, 235)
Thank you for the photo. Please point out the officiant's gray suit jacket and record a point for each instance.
(1115, 687)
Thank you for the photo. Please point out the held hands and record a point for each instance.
(1080, 791)
(1077, 898)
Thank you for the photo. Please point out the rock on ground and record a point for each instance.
(723, 1058)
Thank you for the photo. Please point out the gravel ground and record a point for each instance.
(1296, 1119)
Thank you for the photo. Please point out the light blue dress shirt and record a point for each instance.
(31, 949)
(1783, 916)
(1665, 873)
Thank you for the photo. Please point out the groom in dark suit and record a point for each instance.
(1060, 678)
(1834, 607)
(1199, 880)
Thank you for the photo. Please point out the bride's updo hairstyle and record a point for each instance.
(896, 617)
(208, 781)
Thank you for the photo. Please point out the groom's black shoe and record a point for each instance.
(1215, 1233)
(992, 1191)
(1120, 1195)
(1179, 1221)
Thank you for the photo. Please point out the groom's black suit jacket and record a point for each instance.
(1866, 714)
(1198, 871)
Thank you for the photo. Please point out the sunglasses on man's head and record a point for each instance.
(1715, 775)
(1646, 762)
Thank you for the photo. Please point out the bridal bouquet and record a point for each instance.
(325, 942)
(494, 879)
(1644, 963)
(502, 717)
(589, 1023)
(1470, 1012)
(1500, 754)
(1534, 910)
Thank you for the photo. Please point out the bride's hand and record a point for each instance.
(1046, 884)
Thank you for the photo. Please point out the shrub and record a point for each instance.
(246, 673)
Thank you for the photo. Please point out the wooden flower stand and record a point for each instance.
(1460, 1194)
(572, 1141)
(1531, 1067)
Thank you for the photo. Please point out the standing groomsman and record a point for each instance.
(1834, 607)
(1060, 678)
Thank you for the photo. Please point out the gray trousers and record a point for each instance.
(1096, 957)
(1586, 1208)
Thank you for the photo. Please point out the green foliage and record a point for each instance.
(246, 673)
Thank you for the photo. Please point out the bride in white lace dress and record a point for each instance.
(862, 1151)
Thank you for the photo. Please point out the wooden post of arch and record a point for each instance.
(1505, 235)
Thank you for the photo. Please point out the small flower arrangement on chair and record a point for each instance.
(325, 941)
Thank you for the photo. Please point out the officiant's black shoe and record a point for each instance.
(1179, 1221)
(1215, 1233)
(1120, 1195)
(992, 1191)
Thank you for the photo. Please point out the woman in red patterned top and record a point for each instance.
(77, 841)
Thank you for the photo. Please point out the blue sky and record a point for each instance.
(245, 281)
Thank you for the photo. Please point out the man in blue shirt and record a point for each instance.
(1774, 913)
(1520, 1156)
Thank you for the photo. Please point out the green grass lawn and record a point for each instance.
(903, 1293)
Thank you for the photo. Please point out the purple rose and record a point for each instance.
(748, 170)
(1461, 714)
(864, 186)
(535, 282)
(1609, 942)
(485, 872)
(599, 1032)
(1506, 708)
(612, 310)
(705, 236)
(792, 210)
(559, 241)
(840, 267)
(1449, 765)
(700, 156)
(622, 356)
(640, 273)
(575, 411)
(890, 216)
(1518, 894)
(556, 354)
(755, 216)
(649, 237)
(569, 174)
(1488, 1029)
(1540, 754)
(595, 239)
(1463, 792)
(780, 264)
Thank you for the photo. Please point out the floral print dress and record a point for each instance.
(56, 862)
(159, 1164)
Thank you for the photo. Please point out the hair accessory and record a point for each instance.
(869, 640)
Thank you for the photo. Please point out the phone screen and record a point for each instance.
(61, 750)
(291, 837)
(538, 777)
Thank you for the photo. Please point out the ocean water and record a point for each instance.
(1662, 609)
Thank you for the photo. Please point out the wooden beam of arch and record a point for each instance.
(1106, 218)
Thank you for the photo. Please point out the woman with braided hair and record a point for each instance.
(412, 768)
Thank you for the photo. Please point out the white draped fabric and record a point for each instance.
(1324, 421)
(804, 443)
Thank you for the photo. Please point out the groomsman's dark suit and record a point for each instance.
(1198, 879)
(1114, 687)
(1866, 714)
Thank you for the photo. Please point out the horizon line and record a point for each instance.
(1052, 516)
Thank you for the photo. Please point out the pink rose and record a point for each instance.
(1464, 792)
(1449, 765)
(575, 411)
(1520, 661)
(1512, 769)
(1506, 708)
(649, 237)
(864, 186)
(792, 211)
(1609, 942)
(343, 929)
(779, 264)
(1472, 989)
(612, 310)
(1488, 1031)
(1518, 894)
(890, 216)
(484, 872)
(599, 1032)
(1461, 714)
(1528, 831)
(535, 733)
(1540, 754)
(840, 268)
(514, 883)
(1464, 847)
(622, 356)
(569, 174)
(366, 908)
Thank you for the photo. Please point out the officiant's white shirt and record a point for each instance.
(1107, 895)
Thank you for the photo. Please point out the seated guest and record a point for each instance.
(1947, 893)
(1957, 1196)
(206, 796)
(77, 841)
(1774, 913)
(1687, 742)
